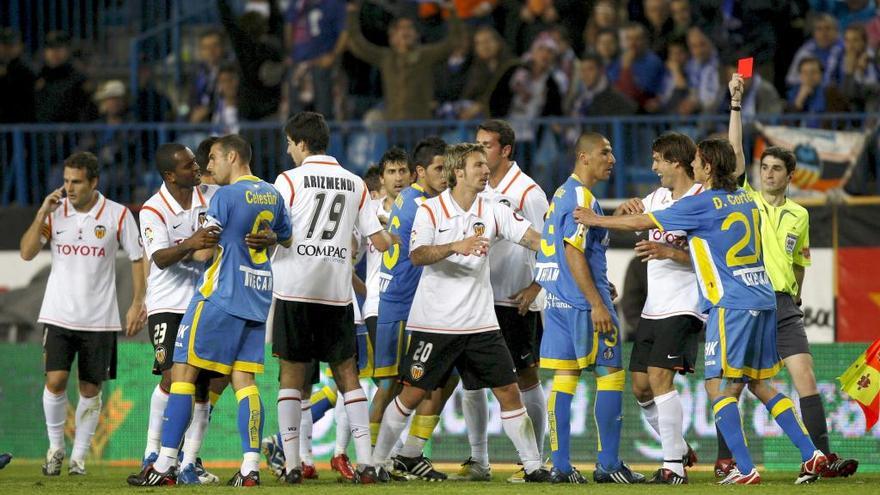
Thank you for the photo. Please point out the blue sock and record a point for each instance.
(608, 411)
(322, 402)
(729, 423)
(250, 418)
(175, 421)
(559, 415)
(782, 410)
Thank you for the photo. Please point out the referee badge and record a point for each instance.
(479, 228)
(417, 371)
(100, 231)
(790, 243)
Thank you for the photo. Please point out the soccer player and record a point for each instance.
(451, 321)
(722, 224)
(785, 242)
(223, 329)
(314, 318)
(668, 331)
(172, 230)
(511, 271)
(79, 313)
(202, 154)
(581, 327)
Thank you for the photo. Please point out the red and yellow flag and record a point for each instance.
(861, 381)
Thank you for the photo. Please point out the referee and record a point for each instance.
(785, 240)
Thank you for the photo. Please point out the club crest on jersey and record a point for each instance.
(203, 217)
(608, 354)
(100, 231)
(479, 228)
(417, 371)
(161, 354)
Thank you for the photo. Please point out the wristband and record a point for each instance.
(736, 108)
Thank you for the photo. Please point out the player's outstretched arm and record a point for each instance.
(428, 255)
(136, 316)
(31, 243)
(531, 239)
(589, 218)
(632, 206)
(735, 129)
(649, 250)
(383, 240)
(583, 277)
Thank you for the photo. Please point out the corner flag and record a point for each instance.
(861, 381)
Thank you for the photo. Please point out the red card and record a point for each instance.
(744, 67)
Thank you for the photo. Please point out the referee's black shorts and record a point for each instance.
(95, 352)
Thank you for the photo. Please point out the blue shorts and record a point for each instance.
(391, 343)
(212, 339)
(570, 343)
(741, 343)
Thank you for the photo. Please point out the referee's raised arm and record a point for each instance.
(734, 132)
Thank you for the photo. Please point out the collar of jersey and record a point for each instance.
(95, 212)
(320, 160)
(251, 178)
(172, 203)
(578, 179)
(452, 209)
(509, 178)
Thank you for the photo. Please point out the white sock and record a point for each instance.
(399, 444)
(413, 447)
(358, 412)
(518, 428)
(649, 409)
(192, 440)
(305, 436)
(250, 462)
(289, 419)
(393, 422)
(88, 412)
(167, 459)
(670, 419)
(343, 433)
(536, 405)
(158, 401)
(475, 407)
(55, 409)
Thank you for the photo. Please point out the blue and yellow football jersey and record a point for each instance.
(239, 279)
(724, 235)
(398, 277)
(552, 271)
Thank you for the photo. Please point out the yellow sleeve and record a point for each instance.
(801, 254)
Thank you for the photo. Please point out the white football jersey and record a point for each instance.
(164, 223)
(81, 291)
(454, 295)
(374, 262)
(326, 204)
(672, 286)
(512, 265)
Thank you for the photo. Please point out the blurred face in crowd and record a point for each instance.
(604, 15)
(211, 49)
(656, 11)
(681, 12)
(606, 46)
(433, 176)
(677, 54)
(495, 154)
(402, 35)
(486, 45)
(394, 178)
(774, 176)
(56, 56)
(854, 40)
(699, 45)
(825, 32)
(112, 107)
(227, 84)
(543, 58)
(590, 72)
(633, 39)
(10, 51)
(80, 190)
(811, 74)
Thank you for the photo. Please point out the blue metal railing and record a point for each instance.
(31, 155)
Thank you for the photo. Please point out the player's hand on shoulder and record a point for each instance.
(474, 245)
(632, 206)
(204, 238)
(585, 216)
(602, 321)
(52, 201)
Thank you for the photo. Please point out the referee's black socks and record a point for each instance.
(813, 415)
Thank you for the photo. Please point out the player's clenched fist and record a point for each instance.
(474, 245)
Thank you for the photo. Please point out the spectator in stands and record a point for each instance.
(115, 148)
(847, 12)
(492, 59)
(591, 94)
(638, 72)
(702, 67)
(607, 46)
(226, 115)
(682, 18)
(315, 36)
(567, 58)
(676, 96)
(450, 78)
(825, 45)
(812, 94)
(16, 80)
(151, 105)
(659, 25)
(475, 12)
(532, 18)
(759, 94)
(61, 91)
(257, 43)
(873, 30)
(605, 16)
(211, 53)
(406, 65)
(858, 76)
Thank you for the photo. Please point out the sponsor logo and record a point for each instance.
(176, 226)
(148, 233)
(479, 228)
(324, 251)
(75, 250)
(100, 231)
(417, 371)
(670, 356)
(256, 279)
(161, 354)
(711, 347)
(441, 231)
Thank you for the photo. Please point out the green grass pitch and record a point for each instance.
(21, 478)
